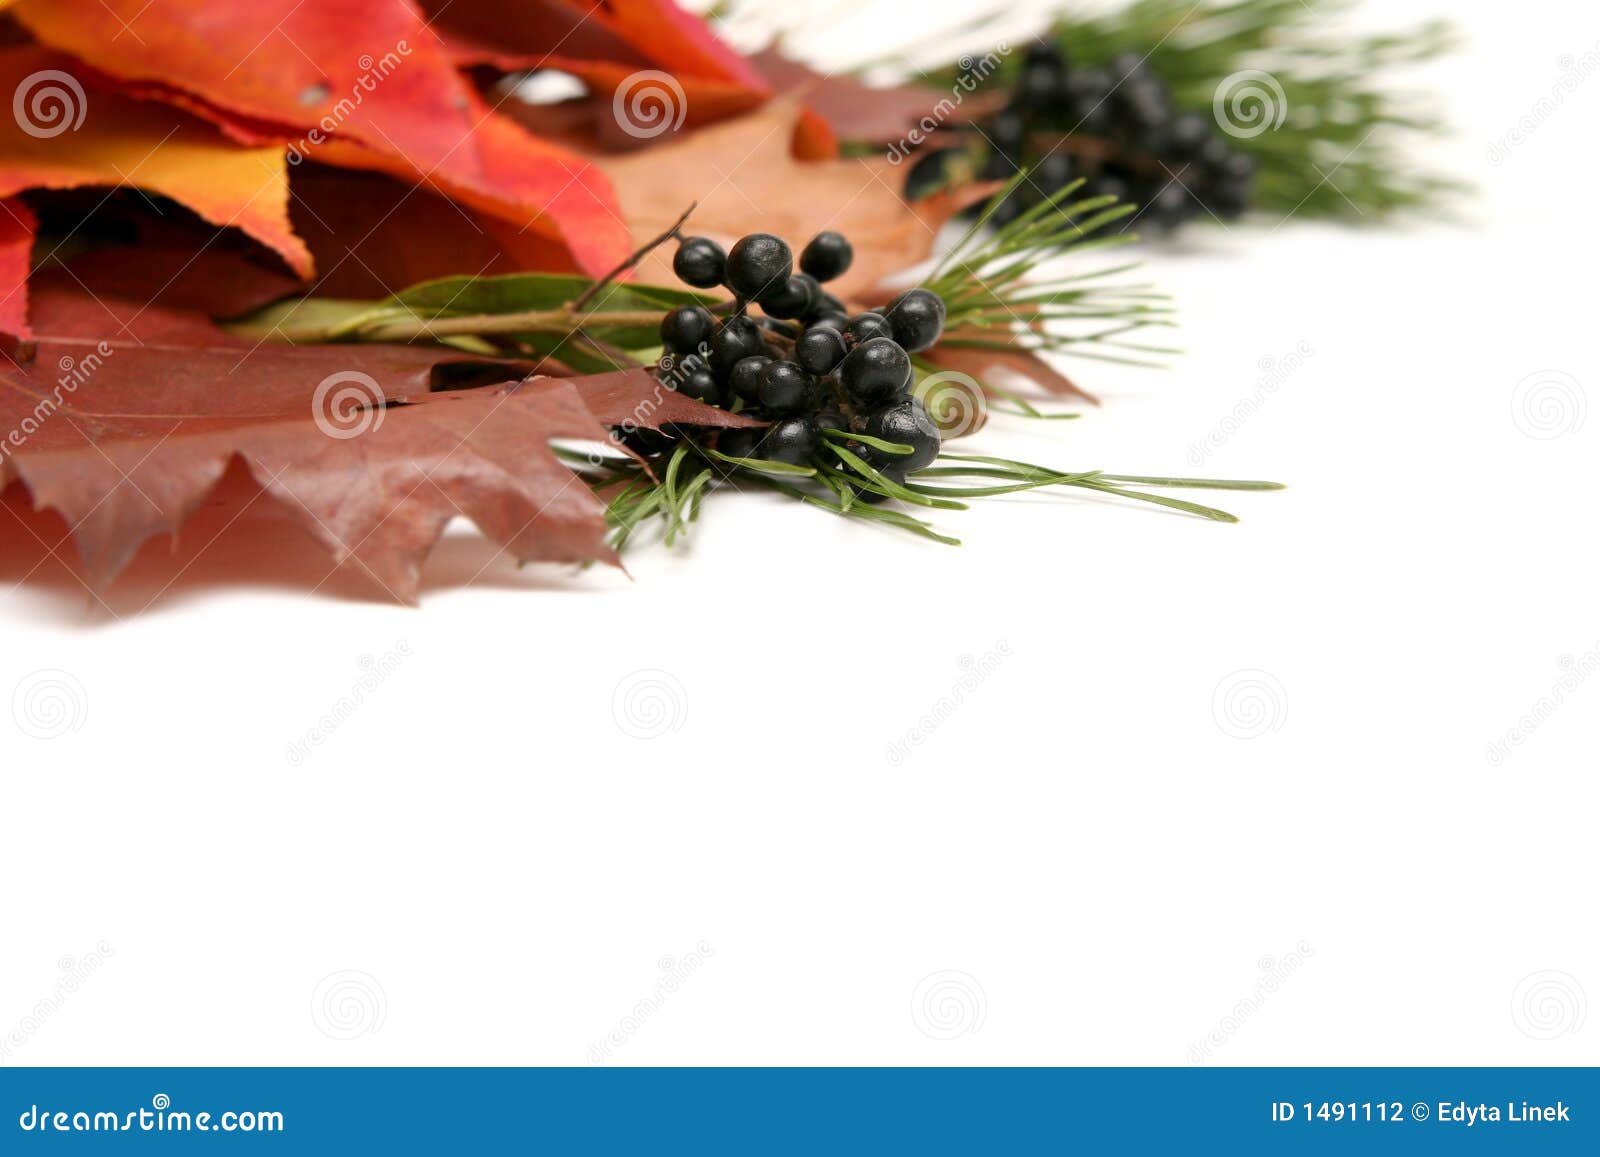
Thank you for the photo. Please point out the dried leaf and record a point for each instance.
(125, 437)
(608, 47)
(176, 262)
(122, 141)
(17, 227)
(874, 115)
(744, 178)
(372, 234)
(362, 83)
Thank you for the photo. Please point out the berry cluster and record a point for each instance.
(805, 364)
(1138, 146)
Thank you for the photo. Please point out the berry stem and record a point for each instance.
(633, 259)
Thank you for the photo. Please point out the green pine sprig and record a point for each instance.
(1345, 147)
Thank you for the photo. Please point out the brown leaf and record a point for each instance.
(174, 260)
(130, 416)
(744, 178)
(635, 397)
(853, 110)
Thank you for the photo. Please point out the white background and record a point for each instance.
(1116, 871)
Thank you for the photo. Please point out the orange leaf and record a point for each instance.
(68, 137)
(17, 225)
(364, 82)
(605, 46)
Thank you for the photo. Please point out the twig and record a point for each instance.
(633, 259)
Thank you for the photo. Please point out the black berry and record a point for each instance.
(686, 329)
(875, 371)
(831, 419)
(907, 423)
(740, 442)
(736, 339)
(792, 440)
(700, 262)
(826, 256)
(643, 440)
(866, 326)
(792, 300)
(788, 389)
(820, 349)
(701, 386)
(759, 264)
(916, 318)
(745, 377)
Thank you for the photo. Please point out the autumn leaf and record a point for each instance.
(867, 114)
(744, 179)
(362, 83)
(126, 142)
(169, 258)
(17, 227)
(611, 47)
(372, 233)
(124, 436)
